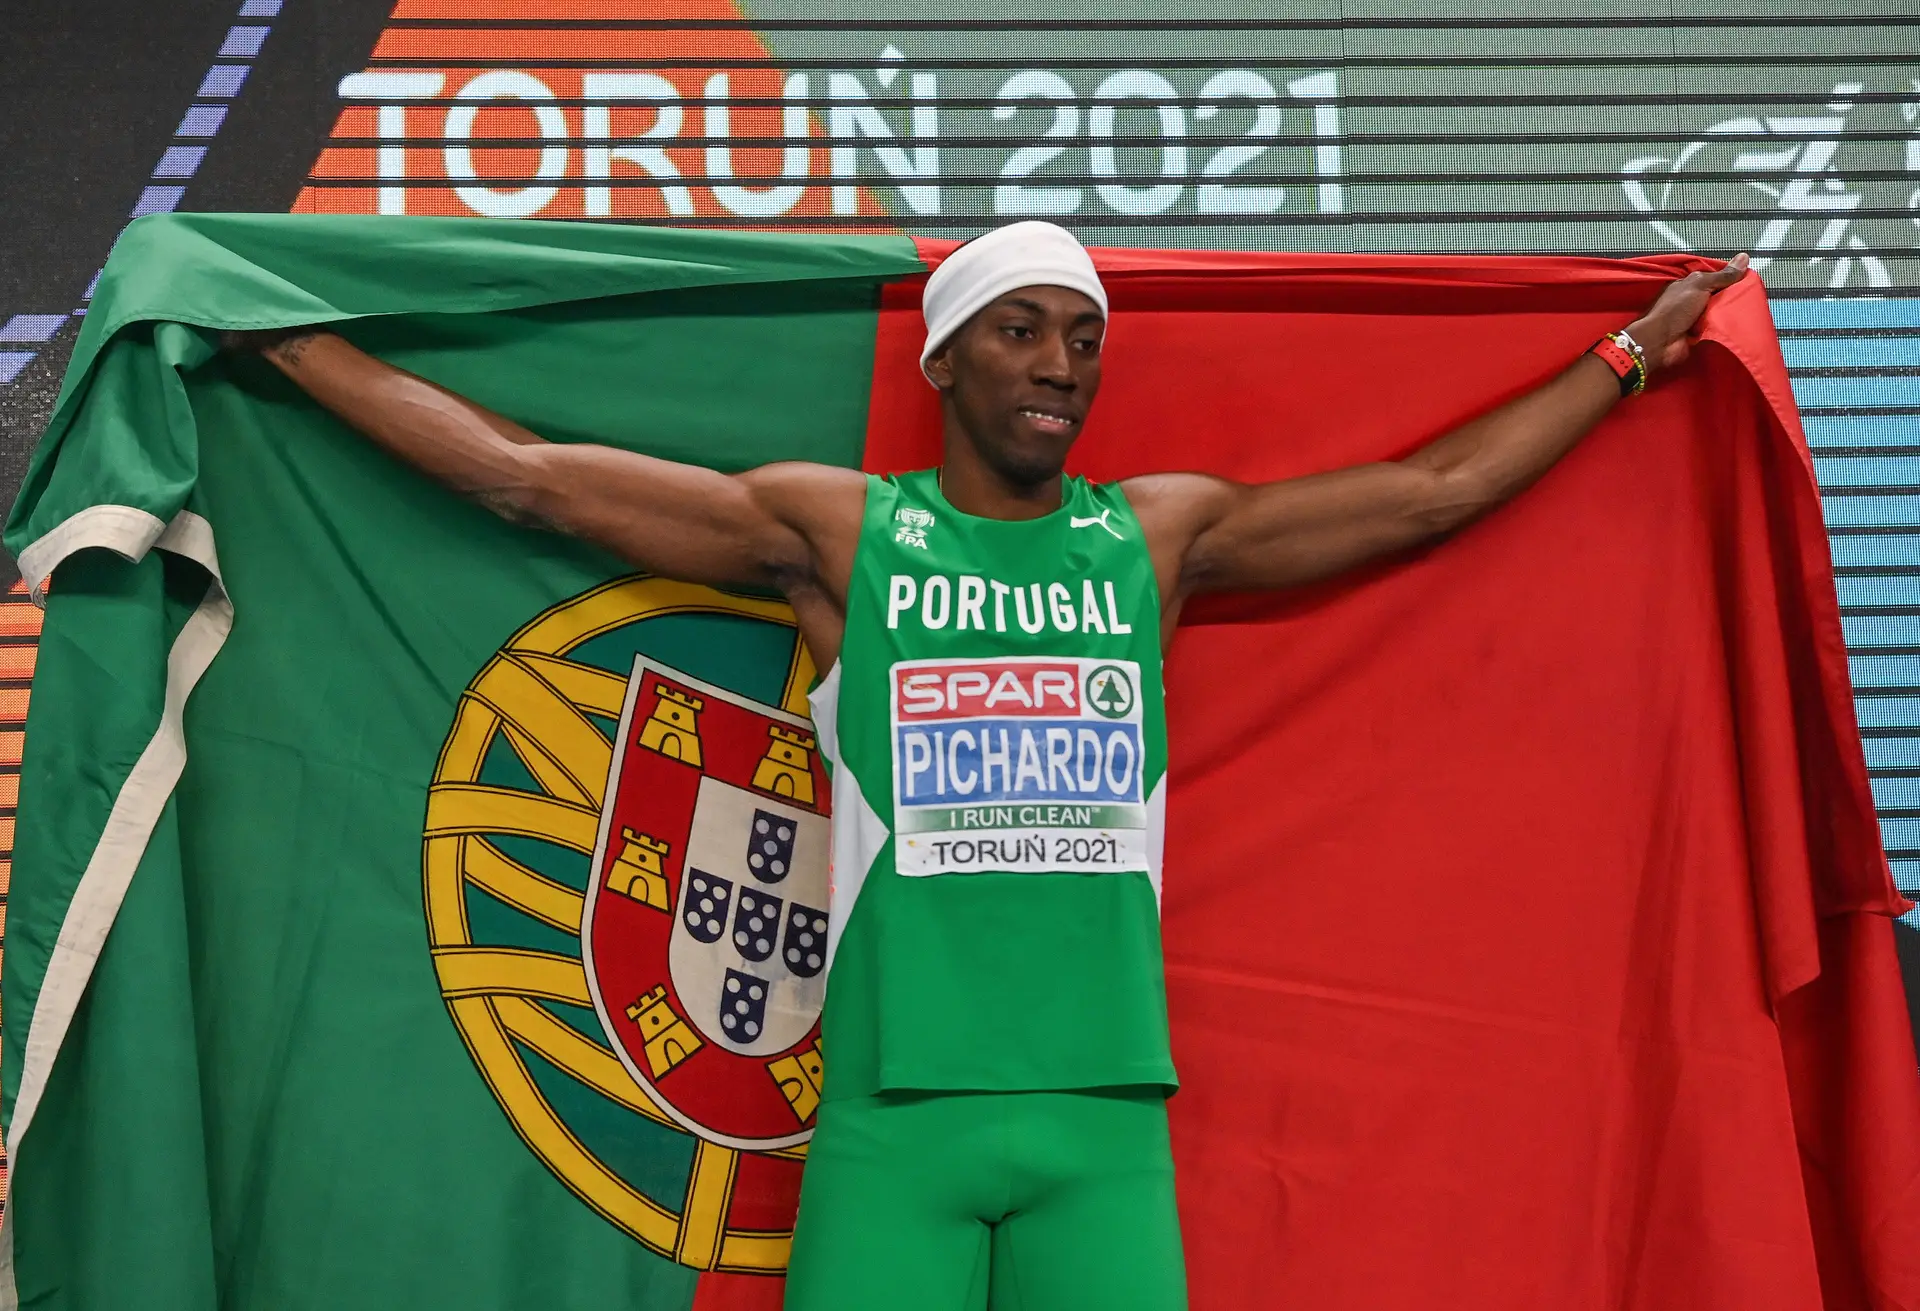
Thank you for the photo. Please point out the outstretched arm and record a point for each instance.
(1210, 534)
(785, 526)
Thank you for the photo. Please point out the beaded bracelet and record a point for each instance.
(1625, 338)
(1621, 353)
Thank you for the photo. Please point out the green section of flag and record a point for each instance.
(261, 1101)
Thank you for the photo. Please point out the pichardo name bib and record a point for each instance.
(1030, 764)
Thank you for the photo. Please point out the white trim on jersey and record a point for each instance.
(858, 830)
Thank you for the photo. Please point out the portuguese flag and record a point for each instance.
(1526, 918)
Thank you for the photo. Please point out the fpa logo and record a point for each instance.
(914, 523)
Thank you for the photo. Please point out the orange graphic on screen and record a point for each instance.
(619, 123)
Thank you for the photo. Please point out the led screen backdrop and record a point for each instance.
(1319, 129)
(1786, 129)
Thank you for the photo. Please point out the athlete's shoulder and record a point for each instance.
(1176, 485)
(1176, 496)
(914, 482)
(819, 501)
(1173, 510)
(804, 483)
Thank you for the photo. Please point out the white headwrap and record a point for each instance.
(1026, 254)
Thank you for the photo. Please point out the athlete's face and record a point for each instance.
(1019, 377)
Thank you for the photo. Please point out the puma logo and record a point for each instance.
(1075, 521)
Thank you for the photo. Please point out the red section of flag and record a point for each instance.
(722, 1292)
(1525, 908)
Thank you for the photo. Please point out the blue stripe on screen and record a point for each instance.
(1900, 389)
(31, 327)
(1868, 470)
(201, 121)
(1881, 630)
(1859, 313)
(1885, 670)
(1851, 352)
(1902, 834)
(158, 200)
(1897, 793)
(1896, 548)
(179, 161)
(222, 82)
(1868, 511)
(1875, 589)
(1892, 752)
(1887, 711)
(1862, 429)
(242, 42)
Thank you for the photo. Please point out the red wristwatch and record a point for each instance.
(1621, 353)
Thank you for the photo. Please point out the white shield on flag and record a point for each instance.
(772, 859)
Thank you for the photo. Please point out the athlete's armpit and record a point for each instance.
(1174, 509)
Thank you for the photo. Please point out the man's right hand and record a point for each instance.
(792, 527)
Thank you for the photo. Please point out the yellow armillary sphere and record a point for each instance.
(626, 893)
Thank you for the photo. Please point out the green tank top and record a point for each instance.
(996, 731)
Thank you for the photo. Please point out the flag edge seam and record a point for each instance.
(137, 806)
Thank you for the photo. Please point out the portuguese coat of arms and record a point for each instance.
(705, 930)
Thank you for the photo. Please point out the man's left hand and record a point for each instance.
(1664, 331)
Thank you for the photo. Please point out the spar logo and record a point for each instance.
(626, 893)
(1110, 691)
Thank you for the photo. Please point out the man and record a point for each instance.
(994, 1129)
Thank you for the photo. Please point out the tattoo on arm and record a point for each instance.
(291, 348)
(275, 343)
(503, 504)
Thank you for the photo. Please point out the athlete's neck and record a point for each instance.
(973, 487)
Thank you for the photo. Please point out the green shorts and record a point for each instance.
(1032, 1201)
